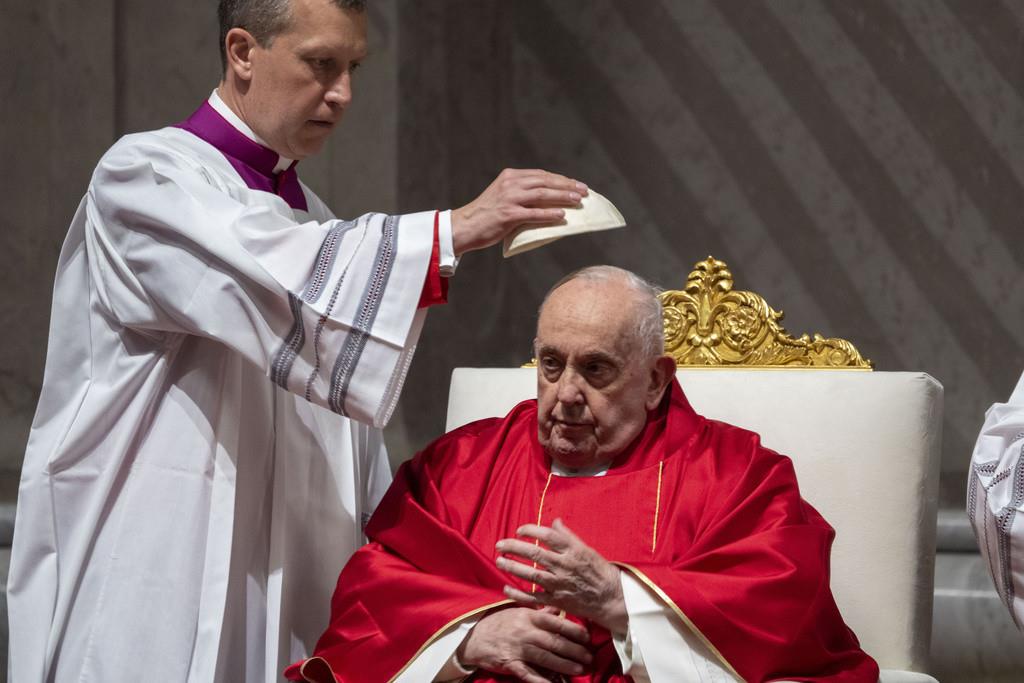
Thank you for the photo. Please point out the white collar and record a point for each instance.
(231, 117)
(595, 471)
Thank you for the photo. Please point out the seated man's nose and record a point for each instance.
(569, 393)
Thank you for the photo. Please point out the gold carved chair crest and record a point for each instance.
(710, 324)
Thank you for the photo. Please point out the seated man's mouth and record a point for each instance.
(573, 426)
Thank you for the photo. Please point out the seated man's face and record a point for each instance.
(594, 387)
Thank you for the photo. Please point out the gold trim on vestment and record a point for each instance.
(657, 508)
(440, 632)
(679, 613)
(540, 515)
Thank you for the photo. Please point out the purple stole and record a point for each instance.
(253, 162)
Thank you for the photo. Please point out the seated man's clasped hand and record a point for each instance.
(570, 577)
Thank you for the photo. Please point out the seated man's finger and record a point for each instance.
(529, 573)
(560, 527)
(567, 649)
(561, 626)
(541, 656)
(528, 551)
(551, 538)
(526, 673)
(524, 598)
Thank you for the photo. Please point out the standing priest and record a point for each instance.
(995, 498)
(604, 532)
(222, 353)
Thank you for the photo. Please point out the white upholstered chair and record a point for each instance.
(865, 446)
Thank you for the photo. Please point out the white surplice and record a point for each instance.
(191, 485)
(995, 498)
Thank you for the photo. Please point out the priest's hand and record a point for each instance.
(569, 575)
(515, 640)
(516, 197)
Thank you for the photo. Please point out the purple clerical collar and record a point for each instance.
(254, 162)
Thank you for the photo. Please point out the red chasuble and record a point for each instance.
(697, 510)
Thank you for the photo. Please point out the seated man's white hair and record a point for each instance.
(649, 327)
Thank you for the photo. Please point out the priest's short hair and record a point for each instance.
(264, 19)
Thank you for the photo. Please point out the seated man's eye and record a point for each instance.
(550, 365)
(600, 374)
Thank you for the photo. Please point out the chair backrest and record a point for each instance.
(865, 446)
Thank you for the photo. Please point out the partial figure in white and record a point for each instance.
(222, 354)
(995, 498)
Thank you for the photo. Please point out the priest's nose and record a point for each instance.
(340, 91)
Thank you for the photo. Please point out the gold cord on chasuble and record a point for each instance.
(654, 526)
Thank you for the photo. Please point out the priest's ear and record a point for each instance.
(663, 370)
(238, 49)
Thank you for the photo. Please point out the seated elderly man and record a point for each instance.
(603, 532)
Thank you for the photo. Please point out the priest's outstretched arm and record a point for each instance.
(331, 310)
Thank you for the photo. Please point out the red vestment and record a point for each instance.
(435, 287)
(697, 510)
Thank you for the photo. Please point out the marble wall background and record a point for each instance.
(860, 164)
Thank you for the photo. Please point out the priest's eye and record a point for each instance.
(354, 66)
(320, 64)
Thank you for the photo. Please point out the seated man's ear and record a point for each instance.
(662, 372)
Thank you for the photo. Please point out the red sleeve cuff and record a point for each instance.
(435, 287)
